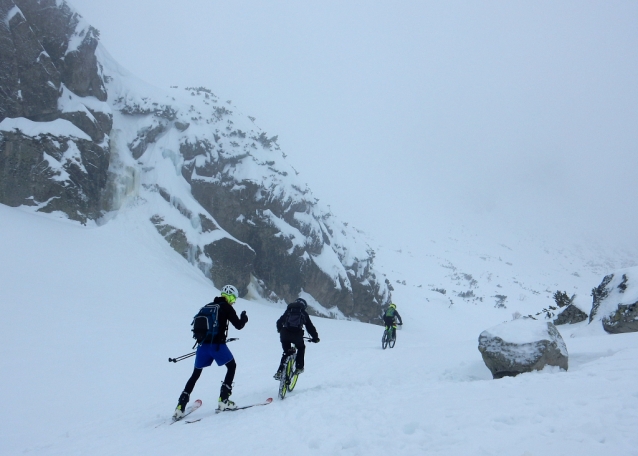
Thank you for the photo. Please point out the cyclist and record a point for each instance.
(390, 318)
(290, 328)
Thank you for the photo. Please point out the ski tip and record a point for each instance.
(269, 400)
(198, 401)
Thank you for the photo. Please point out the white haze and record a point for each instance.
(408, 115)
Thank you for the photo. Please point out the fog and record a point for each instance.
(409, 115)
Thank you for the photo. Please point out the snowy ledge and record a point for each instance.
(58, 127)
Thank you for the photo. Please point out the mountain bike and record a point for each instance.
(388, 338)
(289, 378)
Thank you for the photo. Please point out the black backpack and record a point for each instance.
(295, 319)
(205, 323)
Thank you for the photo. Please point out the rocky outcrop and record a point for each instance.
(80, 136)
(615, 302)
(623, 320)
(48, 69)
(570, 315)
(65, 171)
(522, 345)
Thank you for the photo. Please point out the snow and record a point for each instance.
(520, 331)
(91, 315)
(70, 102)
(11, 13)
(58, 127)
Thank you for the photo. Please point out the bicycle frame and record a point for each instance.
(387, 339)
(288, 378)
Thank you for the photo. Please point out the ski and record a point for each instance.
(190, 409)
(266, 402)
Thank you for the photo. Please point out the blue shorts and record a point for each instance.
(207, 353)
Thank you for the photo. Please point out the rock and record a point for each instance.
(29, 79)
(54, 172)
(570, 315)
(47, 51)
(623, 320)
(522, 345)
(615, 302)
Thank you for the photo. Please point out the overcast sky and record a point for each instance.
(405, 114)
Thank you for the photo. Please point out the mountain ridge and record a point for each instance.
(214, 185)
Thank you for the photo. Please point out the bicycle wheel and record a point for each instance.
(293, 382)
(290, 369)
(286, 379)
(283, 383)
(392, 341)
(384, 340)
(282, 386)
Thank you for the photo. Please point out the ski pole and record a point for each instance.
(180, 358)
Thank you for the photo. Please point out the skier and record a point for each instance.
(213, 348)
(290, 328)
(390, 317)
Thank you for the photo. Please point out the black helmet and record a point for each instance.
(301, 301)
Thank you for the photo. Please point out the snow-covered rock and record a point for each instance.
(615, 302)
(522, 345)
(570, 315)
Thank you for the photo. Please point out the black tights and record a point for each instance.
(228, 379)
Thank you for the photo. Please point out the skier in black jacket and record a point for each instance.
(215, 349)
(290, 328)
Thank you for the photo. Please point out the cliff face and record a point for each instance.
(58, 161)
(81, 136)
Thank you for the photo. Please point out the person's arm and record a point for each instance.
(238, 323)
(398, 317)
(310, 327)
(280, 322)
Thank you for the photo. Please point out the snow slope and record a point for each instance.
(90, 316)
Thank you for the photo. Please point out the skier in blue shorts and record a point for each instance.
(215, 349)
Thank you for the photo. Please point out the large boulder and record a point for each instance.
(522, 345)
(615, 302)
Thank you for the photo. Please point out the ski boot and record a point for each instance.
(279, 374)
(181, 406)
(224, 403)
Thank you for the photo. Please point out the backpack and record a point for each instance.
(205, 323)
(295, 319)
(389, 312)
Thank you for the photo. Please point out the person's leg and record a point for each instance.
(301, 351)
(230, 372)
(190, 384)
(286, 345)
(223, 357)
(202, 360)
(226, 390)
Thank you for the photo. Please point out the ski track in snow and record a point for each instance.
(91, 315)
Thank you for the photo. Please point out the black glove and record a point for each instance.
(315, 340)
(243, 316)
